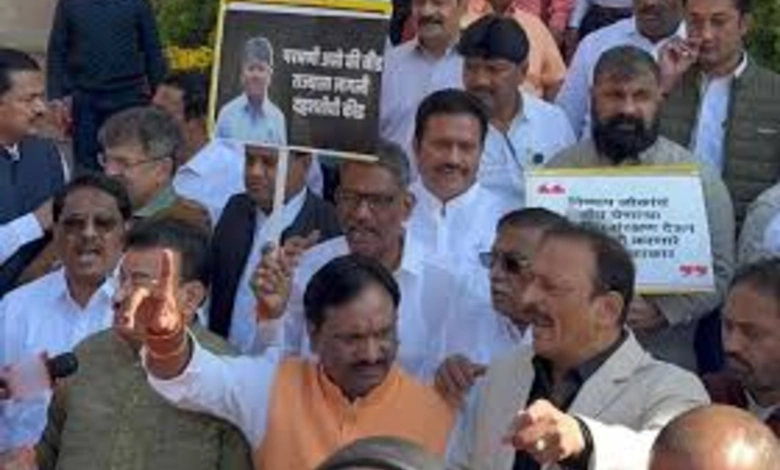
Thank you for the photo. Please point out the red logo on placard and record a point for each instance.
(693, 270)
(553, 189)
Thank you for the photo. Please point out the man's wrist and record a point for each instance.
(581, 461)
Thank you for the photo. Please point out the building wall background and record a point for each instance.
(25, 24)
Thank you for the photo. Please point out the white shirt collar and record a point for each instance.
(13, 151)
(418, 48)
(290, 210)
(412, 257)
(106, 290)
(429, 201)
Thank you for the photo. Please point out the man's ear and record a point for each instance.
(409, 201)
(612, 304)
(191, 297)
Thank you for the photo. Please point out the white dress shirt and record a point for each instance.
(538, 132)
(574, 96)
(410, 74)
(42, 317)
(17, 233)
(429, 293)
(213, 174)
(460, 229)
(581, 8)
(242, 328)
(236, 389)
(708, 135)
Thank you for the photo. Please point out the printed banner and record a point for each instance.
(302, 77)
(658, 213)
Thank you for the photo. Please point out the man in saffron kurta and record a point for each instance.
(296, 412)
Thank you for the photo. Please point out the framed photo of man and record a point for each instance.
(300, 77)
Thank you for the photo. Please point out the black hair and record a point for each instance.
(615, 269)
(625, 63)
(763, 276)
(382, 452)
(495, 37)
(11, 61)
(531, 217)
(189, 241)
(342, 280)
(194, 85)
(97, 181)
(450, 102)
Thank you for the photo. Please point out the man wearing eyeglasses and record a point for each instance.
(140, 146)
(373, 203)
(504, 325)
(54, 313)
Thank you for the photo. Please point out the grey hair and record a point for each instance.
(151, 128)
(392, 157)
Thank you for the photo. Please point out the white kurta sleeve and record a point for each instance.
(17, 233)
(236, 389)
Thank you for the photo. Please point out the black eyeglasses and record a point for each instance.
(375, 202)
(512, 263)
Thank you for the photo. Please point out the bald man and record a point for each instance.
(715, 438)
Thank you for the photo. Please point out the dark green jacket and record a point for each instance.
(107, 416)
(752, 134)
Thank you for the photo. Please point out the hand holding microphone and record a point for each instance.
(34, 375)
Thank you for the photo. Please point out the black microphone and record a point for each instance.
(58, 367)
(62, 366)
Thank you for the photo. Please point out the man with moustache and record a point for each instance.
(586, 395)
(721, 103)
(455, 215)
(626, 104)
(751, 340)
(54, 313)
(524, 131)
(243, 231)
(107, 415)
(502, 326)
(655, 22)
(420, 66)
(296, 412)
(31, 169)
(373, 204)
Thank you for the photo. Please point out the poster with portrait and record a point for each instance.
(298, 76)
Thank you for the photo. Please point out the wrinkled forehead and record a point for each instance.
(371, 311)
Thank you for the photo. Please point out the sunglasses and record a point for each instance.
(512, 263)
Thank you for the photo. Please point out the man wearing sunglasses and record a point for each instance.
(54, 313)
(499, 329)
(586, 395)
(140, 146)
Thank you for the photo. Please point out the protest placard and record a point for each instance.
(658, 213)
(300, 77)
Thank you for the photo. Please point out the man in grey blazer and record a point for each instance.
(586, 395)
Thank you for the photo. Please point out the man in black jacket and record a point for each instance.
(103, 56)
(243, 231)
(31, 169)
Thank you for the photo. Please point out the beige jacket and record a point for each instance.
(624, 404)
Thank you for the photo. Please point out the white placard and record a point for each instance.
(658, 213)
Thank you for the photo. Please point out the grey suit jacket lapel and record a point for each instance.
(604, 386)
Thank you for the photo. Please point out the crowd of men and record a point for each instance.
(414, 310)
